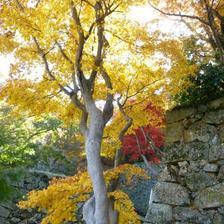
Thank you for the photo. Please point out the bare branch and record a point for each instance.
(151, 142)
(192, 29)
(90, 30)
(43, 56)
(19, 5)
(77, 102)
(218, 4)
(79, 52)
(108, 107)
(66, 57)
(178, 14)
(48, 174)
(127, 118)
(37, 3)
(148, 166)
(81, 42)
(88, 2)
(142, 89)
(128, 124)
(100, 42)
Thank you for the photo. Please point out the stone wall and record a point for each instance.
(190, 188)
(10, 213)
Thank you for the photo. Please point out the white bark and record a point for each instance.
(93, 147)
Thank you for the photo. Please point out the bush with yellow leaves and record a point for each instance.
(61, 199)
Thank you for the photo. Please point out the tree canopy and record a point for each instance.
(44, 35)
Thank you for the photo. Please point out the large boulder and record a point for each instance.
(190, 152)
(217, 103)
(216, 152)
(190, 215)
(3, 221)
(174, 132)
(179, 114)
(199, 131)
(4, 212)
(210, 197)
(159, 213)
(214, 117)
(198, 181)
(170, 193)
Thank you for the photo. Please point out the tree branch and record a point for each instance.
(43, 56)
(148, 166)
(100, 43)
(178, 14)
(66, 57)
(108, 107)
(142, 89)
(80, 48)
(48, 174)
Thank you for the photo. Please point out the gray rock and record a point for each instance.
(165, 175)
(8, 205)
(32, 186)
(184, 213)
(221, 173)
(198, 181)
(221, 210)
(3, 221)
(221, 133)
(197, 151)
(15, 220)
(42, 184)
(31, 179)
(210, 197)
(159, 213)
(183, 168)
(220, 162)
(218, 219)
(199, 131)
(4, 212)
(188, 122)
(215, 140)
(210, 167)
(216, 152)
(179, 114)
(214, 117)
(189, 215)
(174, 132)
(190, 152)
(202, 108)
(170, 193)
(217, 103)
(194, 166)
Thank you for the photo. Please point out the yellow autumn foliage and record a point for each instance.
(61, 199)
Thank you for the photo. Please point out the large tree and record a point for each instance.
(94, 58)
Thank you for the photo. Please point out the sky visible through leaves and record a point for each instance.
(143, 15)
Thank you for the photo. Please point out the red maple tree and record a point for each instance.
(146, 141)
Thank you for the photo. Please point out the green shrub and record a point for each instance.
(207, 84)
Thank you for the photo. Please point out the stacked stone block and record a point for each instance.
(190, 187)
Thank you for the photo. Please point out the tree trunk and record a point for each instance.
(100, 204)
